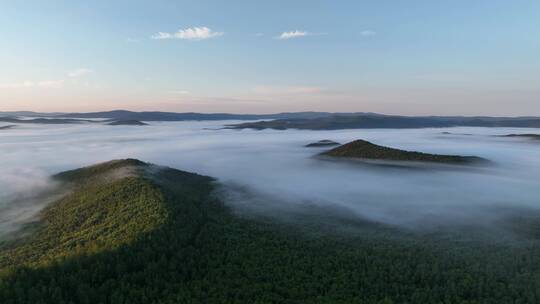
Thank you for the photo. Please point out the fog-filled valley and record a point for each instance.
(271, 173)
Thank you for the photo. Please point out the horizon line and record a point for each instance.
(270, 113)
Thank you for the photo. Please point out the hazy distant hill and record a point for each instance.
(528, 136)
(28, 114)
(132, 232)
(282, 121)
(46, 121)
(322, 143)
(126, 123)
(169, 116)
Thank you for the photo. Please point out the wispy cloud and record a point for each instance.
(33, 84)
(292, 34)
(296, 34)
(368, 33)
(79, 72)
(192, 33)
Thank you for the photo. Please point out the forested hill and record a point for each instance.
(131, 232)
(361, 149)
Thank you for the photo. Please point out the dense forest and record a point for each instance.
(131, 232)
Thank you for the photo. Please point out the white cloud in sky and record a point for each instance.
(192, 33)
(162, 35)
(368, 33)
(292, 34)
(79, 72)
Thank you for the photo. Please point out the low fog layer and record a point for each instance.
(272, 171)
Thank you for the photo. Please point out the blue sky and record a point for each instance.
(398, 57)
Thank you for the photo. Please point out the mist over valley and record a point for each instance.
(272, 171)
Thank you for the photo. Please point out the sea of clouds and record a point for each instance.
(271, 170)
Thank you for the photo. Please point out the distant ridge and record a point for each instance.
(377, 121)
(287, 120)
(171, 116)
(45, 121)
(528, 136)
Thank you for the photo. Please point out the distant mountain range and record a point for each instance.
(170, 116)
(281, 121)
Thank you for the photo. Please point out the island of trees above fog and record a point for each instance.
(361, 149)
(132, 232)
(322, 143)
(527, 136)
(127, 123)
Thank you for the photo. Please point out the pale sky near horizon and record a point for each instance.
(396, 57)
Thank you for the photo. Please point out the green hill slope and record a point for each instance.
(121, 220)
(131, 232)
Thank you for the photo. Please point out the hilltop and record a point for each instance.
(362, 149)
(111, 205)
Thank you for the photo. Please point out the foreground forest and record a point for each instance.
(131, 232)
